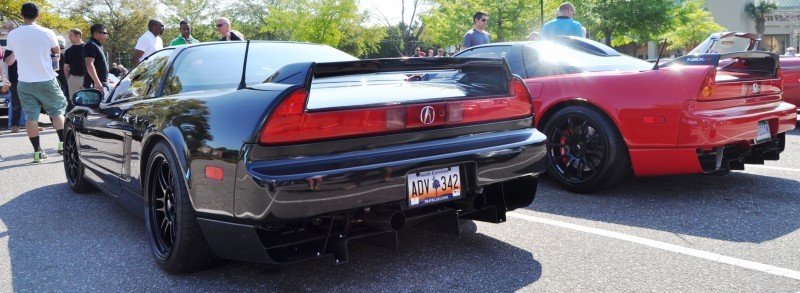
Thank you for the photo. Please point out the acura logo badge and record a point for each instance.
(427, 115)
(756, 88)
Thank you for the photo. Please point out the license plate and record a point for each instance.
(433, 186)
(763, 132)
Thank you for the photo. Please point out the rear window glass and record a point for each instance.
(553, 54)
(219, 66)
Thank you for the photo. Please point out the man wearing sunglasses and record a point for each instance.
(94, 57)
(186, 35)
(225, 31)
(563, 25)
(477, 35)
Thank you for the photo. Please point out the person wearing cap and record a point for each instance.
(36, 49)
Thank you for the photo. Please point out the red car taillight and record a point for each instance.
(290, 123)
(707, 88)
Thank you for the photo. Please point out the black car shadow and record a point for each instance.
(62, 241)
(739, 207)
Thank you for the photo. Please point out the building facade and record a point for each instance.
(782, 25)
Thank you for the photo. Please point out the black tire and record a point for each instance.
(176, 241)
(73, 167)
(585, 152)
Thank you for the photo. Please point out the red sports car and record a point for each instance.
(606, 114)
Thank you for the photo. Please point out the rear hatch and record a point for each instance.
(367, 104)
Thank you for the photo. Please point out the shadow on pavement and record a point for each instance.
(62, 241)
(738, 207)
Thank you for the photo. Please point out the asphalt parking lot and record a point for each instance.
(680, 233)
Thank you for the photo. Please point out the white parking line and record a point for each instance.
(773, 168)
(666, 246)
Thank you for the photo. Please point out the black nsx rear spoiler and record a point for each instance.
(754, 62)
(475, 70)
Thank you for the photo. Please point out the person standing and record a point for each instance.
(74, 66)
(35, 49)
(186, 35)
(477, 35)
(563, 25)
(94, 58)
(149, 42)
(62, 78)
(113, 70)
(11, 79)
(225, 31)
(791, 52)
(440, 53)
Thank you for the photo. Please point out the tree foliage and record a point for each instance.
(48, 15)
(757, 11)
(201, 15)
(620, 22)
(509, 20)
(332, 22)
(124, 20)
(693, 26)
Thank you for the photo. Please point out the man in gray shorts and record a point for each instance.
(32, 47)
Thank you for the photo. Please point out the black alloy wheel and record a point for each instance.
(73, 167)
(162, 209)
(584, 150)
(175, 238)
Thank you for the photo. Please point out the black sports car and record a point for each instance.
(287, 159)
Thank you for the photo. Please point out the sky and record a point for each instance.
(391, 9)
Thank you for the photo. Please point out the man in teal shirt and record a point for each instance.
(186, 35)
(563, 25)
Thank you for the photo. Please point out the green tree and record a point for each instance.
(694, 26)
(336, 23)
(757, 11)
(199, 13)
(509, 20)
(124, 20)
(627, 21)
(404, 36)
(48, 16)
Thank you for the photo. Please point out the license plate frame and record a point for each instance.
(763, 133)
(433, 186)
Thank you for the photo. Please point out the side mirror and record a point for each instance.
(87, 98)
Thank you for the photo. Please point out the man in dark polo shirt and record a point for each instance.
(95, 59)
(74, 67)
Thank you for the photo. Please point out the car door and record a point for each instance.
(107, 131)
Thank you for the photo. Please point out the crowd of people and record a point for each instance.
(41, 73)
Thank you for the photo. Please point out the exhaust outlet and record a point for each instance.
(476, 202)
(385, 220)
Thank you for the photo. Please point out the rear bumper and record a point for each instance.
(290, 189)
(706, 129)
(285, 216)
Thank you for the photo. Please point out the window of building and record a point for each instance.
(775, 43)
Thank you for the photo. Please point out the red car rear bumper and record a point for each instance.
(707, 129)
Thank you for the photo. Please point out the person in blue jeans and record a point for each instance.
(564, 24)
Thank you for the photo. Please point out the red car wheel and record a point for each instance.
(585, 151)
